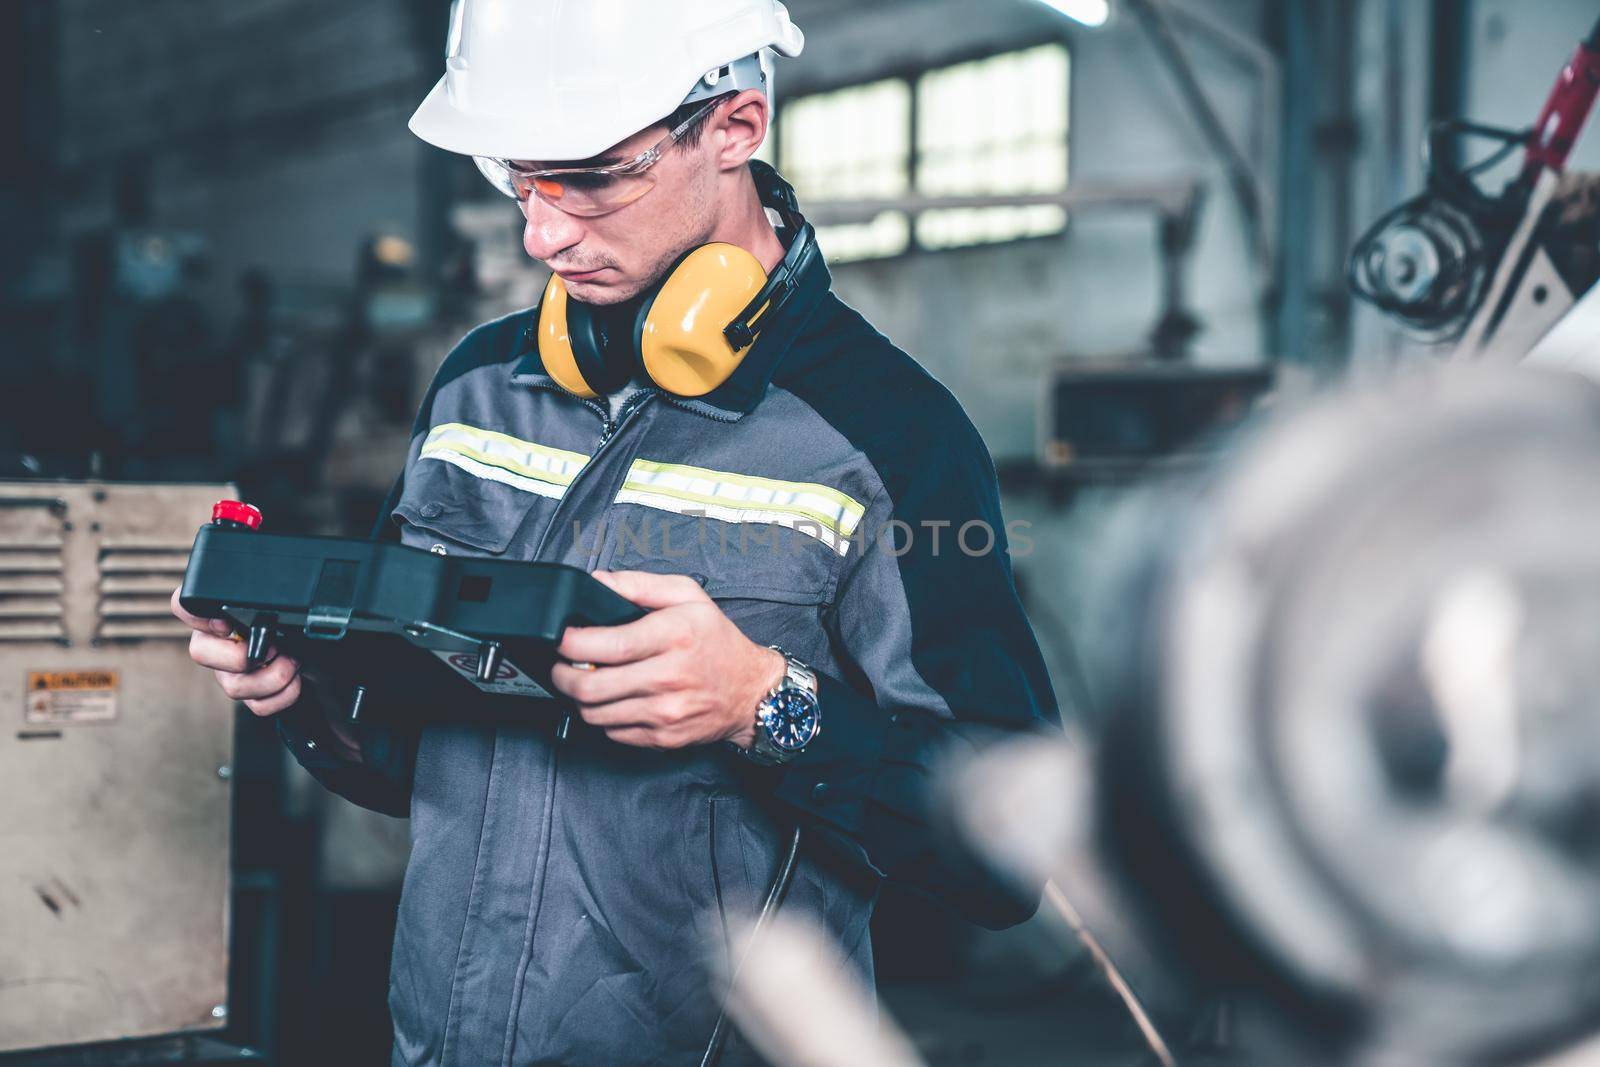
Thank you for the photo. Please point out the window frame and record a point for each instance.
(911, 74)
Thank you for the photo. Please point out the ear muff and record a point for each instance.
(557, 346)
(572, 345)
(680, 327)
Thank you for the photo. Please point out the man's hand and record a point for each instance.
(267, 690)
(682, 675)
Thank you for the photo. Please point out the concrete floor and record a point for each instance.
(1055, 1026)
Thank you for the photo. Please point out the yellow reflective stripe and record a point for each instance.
(800, 524)
(846, 505)
(490, 472)
(448, 450)
(555, 453)
(822, 504)
(737, 509)
(527, 459)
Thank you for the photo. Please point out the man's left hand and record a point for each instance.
(682, 675)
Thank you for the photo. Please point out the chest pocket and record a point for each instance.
(771, 583)
(477, 488)
(758, 561)
(743, 538)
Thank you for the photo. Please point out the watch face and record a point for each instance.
(792, 719)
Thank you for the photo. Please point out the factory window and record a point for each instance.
(994, 126)
(852, 144)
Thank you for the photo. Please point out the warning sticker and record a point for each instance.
(508, 679)
(56, 697)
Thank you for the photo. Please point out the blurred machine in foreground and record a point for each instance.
(115, 765)
(1348, 784)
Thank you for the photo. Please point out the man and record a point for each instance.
(816, 535)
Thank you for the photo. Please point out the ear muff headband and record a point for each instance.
(680, 335)
(743, 328)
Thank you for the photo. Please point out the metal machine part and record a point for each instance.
(1495, 271)
(115, 767)
(1424, 264)
(1118, 419)
(1353, 762)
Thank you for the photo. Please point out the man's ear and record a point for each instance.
(743, 125)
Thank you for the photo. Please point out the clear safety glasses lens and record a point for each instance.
(498, 174)
(577, 192)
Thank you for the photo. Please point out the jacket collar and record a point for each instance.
(734, 398)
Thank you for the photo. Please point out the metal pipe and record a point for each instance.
(1268, 70)
(1174, 198)
(1242, 173)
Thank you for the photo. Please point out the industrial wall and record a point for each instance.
(275, 130)
(987, 321)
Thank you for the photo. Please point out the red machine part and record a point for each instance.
(1565, 111)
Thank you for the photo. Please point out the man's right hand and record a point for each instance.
(267, 690)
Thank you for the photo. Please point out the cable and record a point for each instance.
(1119, 985)
(1427, 262)
(1438, 154)
(775, 895)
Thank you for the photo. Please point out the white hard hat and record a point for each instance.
(555, 80)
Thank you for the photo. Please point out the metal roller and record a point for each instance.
(1356, 759)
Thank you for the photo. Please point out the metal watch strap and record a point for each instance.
(796, 675)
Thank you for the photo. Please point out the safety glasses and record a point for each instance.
(587, 191)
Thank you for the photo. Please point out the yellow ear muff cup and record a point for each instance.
(555, 341)
(681, 343)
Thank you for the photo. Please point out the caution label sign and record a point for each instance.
(508, 679)
(58, 697)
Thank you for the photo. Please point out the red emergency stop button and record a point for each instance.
(236, 513)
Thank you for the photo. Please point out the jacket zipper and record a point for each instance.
(608, 431)
(713, 415)
(612, 426)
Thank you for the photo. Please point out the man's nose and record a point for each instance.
(549, 231)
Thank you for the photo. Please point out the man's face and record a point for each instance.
(607, 259)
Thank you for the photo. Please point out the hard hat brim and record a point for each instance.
(580, 130)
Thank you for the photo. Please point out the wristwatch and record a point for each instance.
(789, 718)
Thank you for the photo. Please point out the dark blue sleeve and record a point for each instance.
(939, 661)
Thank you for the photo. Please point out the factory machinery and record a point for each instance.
(1343, 790)
(1338, 804)
(116, 766)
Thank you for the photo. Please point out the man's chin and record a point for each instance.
(606, 288)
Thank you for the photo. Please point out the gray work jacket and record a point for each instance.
(565, 900)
